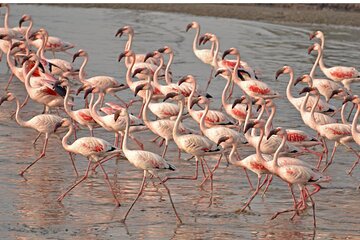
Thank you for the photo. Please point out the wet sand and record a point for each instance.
(333, 14)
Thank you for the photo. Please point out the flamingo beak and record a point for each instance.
(139, 88)
(121, 56)
(272, 132)
(220, 71)
(22, 20)
(188, 27)
(76, 55)
(41, 67)
(138, 70)
(227, 52)
(117, 115)
(208, 95)
(279, 72)
(222, 139)
(310, 49)
(236, 102)
(57, 125)
(248, 126)
(299, 79)
(14, 45)
(120, 32)
(3, 99)
(312, 35)
(336, 91)
(149, 55)
(161, 50)
(88, 91)
(170, 95)
(305, 90)
(182, 80)
(26, 58)
(193, 102)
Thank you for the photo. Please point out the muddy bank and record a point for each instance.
(334, 14)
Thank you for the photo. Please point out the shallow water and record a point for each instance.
(28, 208)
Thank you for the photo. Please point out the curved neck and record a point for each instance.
(258, 151)
(342, 114)
(6, 18)
(196, 39)
(156, 73)
(277, 153)
(12, 66)
(40, 51)
(215, 63)
(321, 60)
(223, 96)
(94, 114)
(232, 158)
(237, 65)
(29, 74)
(248, 115)
(81, 71)
(176, 132)
(126, 136)
(128, 46)
(66, 103)
(66, 138)
(45, 40)
(289, 86)
(312, 72)
(269, 121)
(128, 73)
(167, 76)
(191, 96)
(18, 119)
(145, 111)
(203, 127)
(253, 131)
(27, 33)
(354, 129)
(312, 115)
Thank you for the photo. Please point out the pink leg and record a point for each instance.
(164, 152)
(161, 142)
(73, 163)
(62, 196)
(313, 206)
(91, 131)
(210, 78)
(106, 177)
(141, 109)
(41, 156)
(9, 81)
(137, 197)
(116, 141)
(247, 176)
(186, 177)
(179, 153)
(267, 185)
(172, 203)
(213, 170)
(332, 156)
(252, 196)
(356, 162)
(353, 166)
(154, 140)
(137, 142)
(37, 137)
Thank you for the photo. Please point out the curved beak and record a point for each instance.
(208, 95)
(161, 50)
(236, 102)
(120, 32)
(347, 99)
(88, 91)
(299, 79)
(227, 52)
(138, 70)
(219, 71)
(149, 55)
(14, 45)
(170, 95)
(336, 91)
(312, 35)
(182, 80)
(22, 20)
(116, 115)
(279, 72)
(248, 126)
(25, 59)
(272, 132)
(75, 56)
(222, 139)
(121, 56)
(203, 39)
(310, 49)
(41, 67)
(305, 90)
(57, 125)
(139, 88)
(80, 89)
(258, 108)
(3, 99)
(193, 102)
(188, 27)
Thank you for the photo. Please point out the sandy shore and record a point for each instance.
(336, 14)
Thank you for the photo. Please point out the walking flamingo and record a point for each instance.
(94, 149)
(43, 124)
(149, 162)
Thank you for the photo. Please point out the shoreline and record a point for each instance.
(331, 14)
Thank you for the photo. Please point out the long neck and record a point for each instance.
(81, 71)
(232, 158)
(94, 113)
(354, 129)
(269, 121)
(46, 38)
(312, 112)
(27, 33)
(176, 132)
(40, 51)
(66, 146)
(29, 74)
(215, 63)
(196, 39)
(128, 73)
(258, 151)
(248, 115)
(12, 67)
(223, 96)
(156, 73)
(289, 86)
(277, 153)
(18, 119)
(342, 114)
(235, 70)
(321, 60)
(66, 103)
(191, 96)
(6, 19)
(167, 75)
(312, 72)
(126, 136)
(128, 47)
(262, 110)
(145, 111)
(203, 127)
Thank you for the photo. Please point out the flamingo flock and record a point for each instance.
(168, 106)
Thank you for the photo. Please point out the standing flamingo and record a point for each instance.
(149, 162)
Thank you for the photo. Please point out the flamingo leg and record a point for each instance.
(185, 177)
(116, 141)
(313, 206)
(62, 196)
(73, 163)
(137, 142)
(9, 81)
(137, 197)
(210, 78)
(106, 177)
(248, 179)
(118, 98)
(213, 170)
(41, 155)
(352, 109)
(141, 109)
(156, 138)
(172, 203)
(91, 131)
(179, 153)
(252, 196)
(267, 185)
(356, 162)
(164, 152)
(332, 156)
(37, 137)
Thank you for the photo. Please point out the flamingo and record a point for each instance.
(147, 161)
(338, 132)
(43, 124)
(296, 102)
(214, 117)
(345, 75)
(252, 87)
(94, 149)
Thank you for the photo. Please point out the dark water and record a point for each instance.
(28, 208)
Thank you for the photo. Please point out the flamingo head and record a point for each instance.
(21, 45)
(127, 53)
(7, 97)
(279, 131)
(337, 92)
(80, 53)
(142, 70)
(254, 124)
(125, 29)
(173, 95)
(192, 25)
(316, 34)
(304, 78)
(23, 19)
(315, 47)
(63, 123)
(207, 37)
(187, 78)
(89, 90)
(120, 113)
(312, 90)
(231, 51)
(200, 100)
(223, 71)
(144, 86)
(352, 98)
(284, 69)
(228, 138)
(242, 100)
(154, 54)
(165, 49)
(5, 37)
